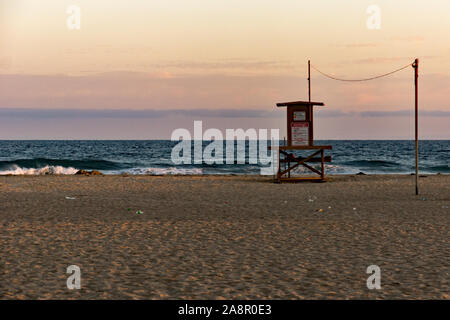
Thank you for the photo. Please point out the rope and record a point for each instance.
(367, 79)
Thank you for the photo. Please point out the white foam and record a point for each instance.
(165, 171)
(329, 169)
(16, 170)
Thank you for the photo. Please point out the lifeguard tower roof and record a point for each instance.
(299, 103)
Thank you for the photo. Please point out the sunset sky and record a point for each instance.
(225, 62)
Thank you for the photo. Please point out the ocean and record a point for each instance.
(153, 157)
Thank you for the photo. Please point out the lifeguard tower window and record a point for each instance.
(300, 125)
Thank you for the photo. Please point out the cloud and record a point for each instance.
(132, 90)
(357, 45)
(199, 113)
(228, 64)
(379, 60)
(383, 60)
(408, 38)
(325, 113)
(5, 62)
(383, 114)
(405, 113)
(156, 95)
(131, 114)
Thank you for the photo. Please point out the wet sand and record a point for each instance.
(233, 237)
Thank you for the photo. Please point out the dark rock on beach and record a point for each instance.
(89, 173)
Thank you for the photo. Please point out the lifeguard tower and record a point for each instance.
(300, 136)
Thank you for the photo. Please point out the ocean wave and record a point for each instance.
(16, 170)
(59, 170)
(87, 164)
(441, 168)
(372, 163)
(164, 171)
(329, 169)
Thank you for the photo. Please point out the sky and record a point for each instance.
(141, 69)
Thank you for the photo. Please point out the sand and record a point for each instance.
(223, 237)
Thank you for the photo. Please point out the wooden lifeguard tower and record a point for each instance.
(300, 132)
(300, 136)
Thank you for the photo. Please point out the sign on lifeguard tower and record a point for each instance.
(300, 133)
(300, 136)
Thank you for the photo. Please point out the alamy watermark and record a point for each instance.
(74, 280)
(213, 153)
(73, 21)
(374, 20)
(374, 281)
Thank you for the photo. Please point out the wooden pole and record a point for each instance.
(309, 81)
(309, 89)
(416, 80)
(310, 108)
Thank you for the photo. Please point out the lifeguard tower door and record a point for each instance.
(300, 125)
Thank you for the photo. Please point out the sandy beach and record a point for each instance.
(223, 237)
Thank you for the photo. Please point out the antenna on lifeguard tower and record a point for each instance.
(309, 88)
(309, 81)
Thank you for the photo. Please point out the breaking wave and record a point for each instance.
(88, 164)
(59, 170)
(16, 170)
(164, 171)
